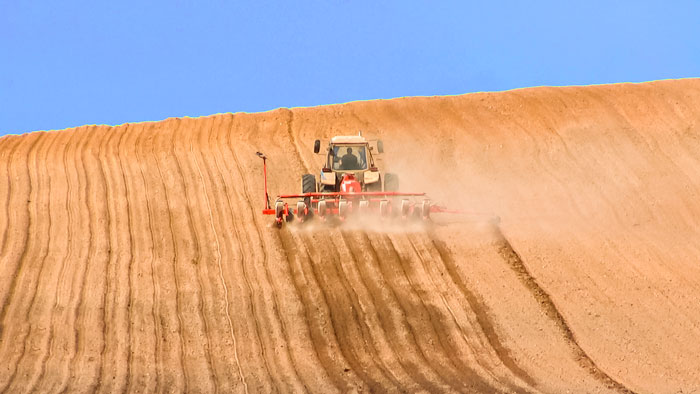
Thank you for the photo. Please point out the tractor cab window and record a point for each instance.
(348, 157)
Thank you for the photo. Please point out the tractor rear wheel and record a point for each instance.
(374, 187)
(308, 185)
(343, 209)
(391, 182)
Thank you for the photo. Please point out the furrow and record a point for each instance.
(389, 351)
(88, 312)
(301, 355)
(117, 325)
(489, 354)
(346, 350)
(55, 249)
(174, 309)
(71, 290)
(404, 336)
(195, 220)
(40, 313)
(109, 263)
(302, 161)
(387, 361)
(344, 310)
(516, 263)
(186, 256)
(478, 308)
(221, 276)
(230, 218)
(59, 372)
(441, 344)
(142, 361)
(8, 148)
(34, 255)
(20, 226)
(216, 306)
(317, 313)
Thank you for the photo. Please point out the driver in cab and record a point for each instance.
(349, 161)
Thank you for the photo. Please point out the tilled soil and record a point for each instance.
(136, 258)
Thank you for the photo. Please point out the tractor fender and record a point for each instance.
(371, 176)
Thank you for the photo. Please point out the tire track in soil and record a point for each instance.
(109, 132)
(479, 360)
(117, 301)
(442, 356)
(217, 300)
(344, 315)
(53, 346)
(66, 336)
(185, 241)
(74, 318)
(11, 267)
(205, 219)
(86, 350)
(324, 338)
(480, 310)
(5, 160)
(243, 247)
(140, 360)
(24, 245)
(305, 165)
(221, 276)
(156, 313)
(244, 252)
(375, 317)
(409, 351)
(77, 284)
(246, 197)
(196, 358)
(369, 324)
(172, 268)
(29, 365)
(514, 261)
(431, 377)
(30, 255)
(413, 246)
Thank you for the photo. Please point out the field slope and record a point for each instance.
(135, 258)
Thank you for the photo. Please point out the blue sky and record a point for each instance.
(70, 63)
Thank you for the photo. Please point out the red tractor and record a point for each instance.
(349, 183)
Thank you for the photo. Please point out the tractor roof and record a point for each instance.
(348, 139)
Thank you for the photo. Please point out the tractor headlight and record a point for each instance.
(327, 178)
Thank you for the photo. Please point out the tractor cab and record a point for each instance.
(349, 156)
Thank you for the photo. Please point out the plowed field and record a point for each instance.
(135, 258)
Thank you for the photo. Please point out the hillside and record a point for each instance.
(135, 258)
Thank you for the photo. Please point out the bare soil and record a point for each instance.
(136, 258)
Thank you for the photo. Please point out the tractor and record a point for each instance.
(350, 183)
(349, 161)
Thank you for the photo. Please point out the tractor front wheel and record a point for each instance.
(391, 182)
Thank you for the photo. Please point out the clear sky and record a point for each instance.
(70, 63)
